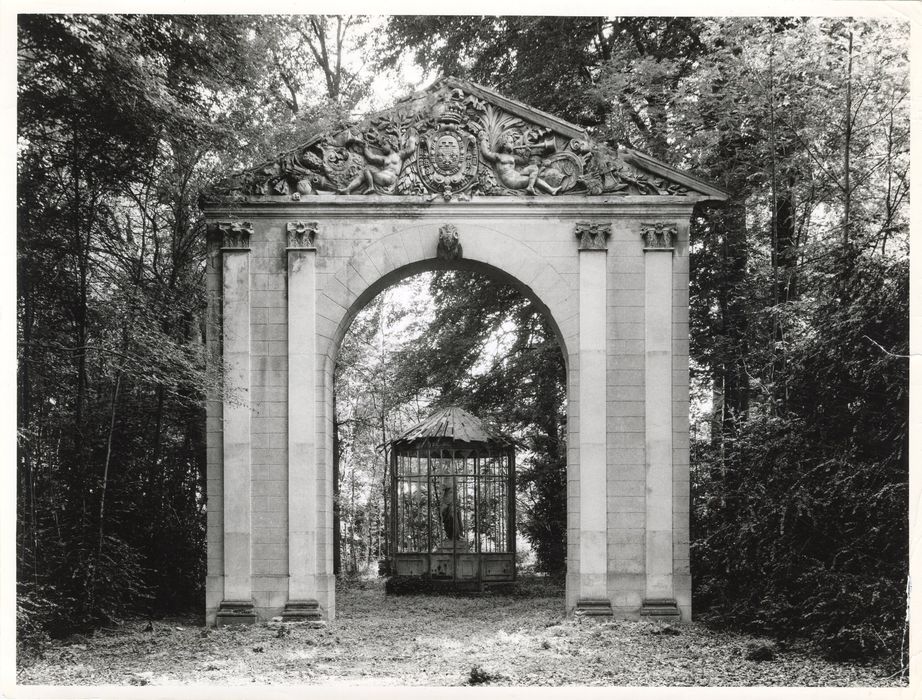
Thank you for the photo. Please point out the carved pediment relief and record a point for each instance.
(455, 140)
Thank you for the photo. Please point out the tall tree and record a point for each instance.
(121, 118)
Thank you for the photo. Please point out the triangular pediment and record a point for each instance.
(457, 140)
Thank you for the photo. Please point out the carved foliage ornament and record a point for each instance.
(301, 234)
(234, 235)
(449, 247)
(659, 235)
(446, 143)
(593, 235)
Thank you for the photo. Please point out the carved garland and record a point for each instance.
(301, 234)
(660, 235)
(593, 235)
(235, 235)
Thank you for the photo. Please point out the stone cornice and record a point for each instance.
(653, 165)
(385, 207)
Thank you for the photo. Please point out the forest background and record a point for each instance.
(799, 296)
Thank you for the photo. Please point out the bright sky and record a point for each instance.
(388, 87)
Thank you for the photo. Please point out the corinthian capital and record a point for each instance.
(660, 234)
(593, 235)
(301, 234)
(234, 235)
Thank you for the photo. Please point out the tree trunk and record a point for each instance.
(847, 186)
(105, 470)
(728, 222)
(386, 487)
(337, 525)
(154, 496)
(352, 553)
(26, 500)
(79, 467)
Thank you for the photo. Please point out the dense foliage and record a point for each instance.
(112, 128)
(800, 515)
(121, 120)
(799, 295)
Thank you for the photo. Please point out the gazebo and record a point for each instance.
(453, 500)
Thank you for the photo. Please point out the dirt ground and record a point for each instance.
(518, 639)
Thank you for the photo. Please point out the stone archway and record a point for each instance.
(398, 255)
(287, 273)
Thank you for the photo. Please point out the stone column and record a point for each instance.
(303, 556)
(592, 406)
(659, 595)
(237, 605)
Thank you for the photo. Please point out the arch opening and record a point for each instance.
(396, 276)
(409, 342)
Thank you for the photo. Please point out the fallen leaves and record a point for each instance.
(436, 641)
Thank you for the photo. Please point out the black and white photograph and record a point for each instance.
(486, 351)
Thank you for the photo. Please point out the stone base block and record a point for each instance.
(661, 609)
(235, 612)
(302, 611)
(595, 607)
(453, 546)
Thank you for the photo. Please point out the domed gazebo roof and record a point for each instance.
(451, 426)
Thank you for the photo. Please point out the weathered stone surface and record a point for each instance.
(302, 611)
(594, 608)
(661, 609)
(235, 613)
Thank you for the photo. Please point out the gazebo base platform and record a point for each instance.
(414, 585)
(456, 566)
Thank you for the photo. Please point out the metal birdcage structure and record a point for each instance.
(453, 500)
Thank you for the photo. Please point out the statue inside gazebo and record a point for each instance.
(453, 500)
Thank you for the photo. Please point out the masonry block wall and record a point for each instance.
(310, 266)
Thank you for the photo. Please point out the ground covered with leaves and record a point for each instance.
(518, 637)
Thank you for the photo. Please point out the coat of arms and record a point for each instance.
(447, 155)
(448, 159)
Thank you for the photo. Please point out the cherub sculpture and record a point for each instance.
(387, 166)
(505, 161)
